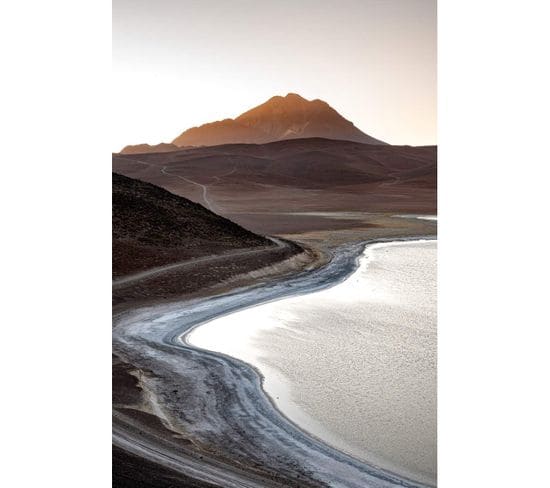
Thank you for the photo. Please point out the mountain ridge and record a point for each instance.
(279, 118)
(150, 148)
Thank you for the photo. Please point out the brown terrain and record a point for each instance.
(180, 220)
(294, 185)
(168, 248)
(152, 227)
(132, 412)
(280, 118)
(166, 245)
(195, 254)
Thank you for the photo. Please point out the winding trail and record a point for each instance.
(203, 188)
(188, 263)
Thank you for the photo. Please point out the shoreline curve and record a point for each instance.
(319, 461)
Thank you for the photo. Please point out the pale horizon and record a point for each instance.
(178, 65)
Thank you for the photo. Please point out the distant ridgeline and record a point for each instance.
(280, 118)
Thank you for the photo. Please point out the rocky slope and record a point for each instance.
(153, 227)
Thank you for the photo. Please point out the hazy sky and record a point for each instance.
(181, 63)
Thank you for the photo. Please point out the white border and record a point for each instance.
(493, 130)
(55, 195)
(493, 243)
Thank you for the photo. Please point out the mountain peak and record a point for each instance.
(294, 96)
(288, 96)
(279, 118)
(290, 99)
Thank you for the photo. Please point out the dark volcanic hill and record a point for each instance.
(280, 118)
(153, 227)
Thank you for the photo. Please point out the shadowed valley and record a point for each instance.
(290, 186)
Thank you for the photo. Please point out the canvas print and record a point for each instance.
(274, 243)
